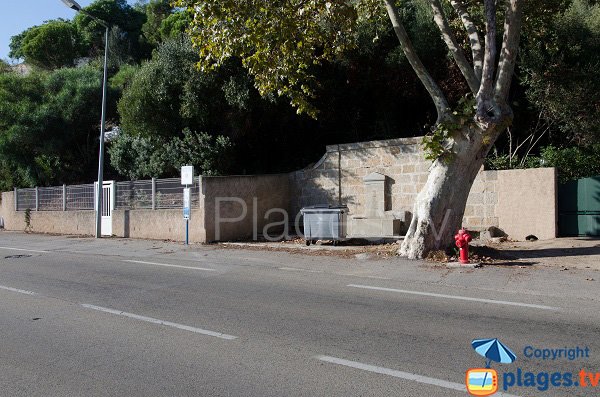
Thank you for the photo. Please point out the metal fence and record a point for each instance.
(80, 197)
(26, 198)
(154, 194)
(144, 194)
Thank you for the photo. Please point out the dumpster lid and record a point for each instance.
(321, 206)
(324, 207)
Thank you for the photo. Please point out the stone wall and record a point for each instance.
(338, 178)
(402, 162)
(481, 210)
(399, 159)
(521, 202)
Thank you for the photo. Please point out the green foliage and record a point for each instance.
(497, 161)
(156, 12)
(278, 42)
(117, 13)
(572, 162)
(4, 67)
(16, 44)
(51, 45)
(49, 126)
(123, 77)
(208, 154)
(28, 220)
(560, 59)
(139, 157)
(168, 94)
(438, 143)
(174, 25)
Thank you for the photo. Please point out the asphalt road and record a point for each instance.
(115, 317)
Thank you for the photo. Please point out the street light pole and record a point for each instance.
(101, 154)
(75, 6)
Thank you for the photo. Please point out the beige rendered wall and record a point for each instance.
(149, 224)
(248, 198)
(527, 203)
(164, 224)
(7, 212)
(60, 222)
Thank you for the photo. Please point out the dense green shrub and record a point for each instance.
(571, 162)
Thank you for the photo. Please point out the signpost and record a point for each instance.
(187, 178)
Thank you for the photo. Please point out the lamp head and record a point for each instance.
(72, 4)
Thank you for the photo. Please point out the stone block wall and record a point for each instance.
(400, 160)
(481, 209)
(338, 178)
(339, 175)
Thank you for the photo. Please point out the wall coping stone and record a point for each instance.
(374, 177)
(374, 144)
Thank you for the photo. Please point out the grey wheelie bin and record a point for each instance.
(324, 222)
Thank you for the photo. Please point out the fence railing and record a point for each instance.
(154, 194)
(143, 194)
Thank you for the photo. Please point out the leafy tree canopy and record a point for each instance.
(156, 12)
(279, 45)
(118, 13)
(4, 66)
(138, 157)
(51, 45)
(560, 66)
(174, 25)
(49, 126)
(168, 94)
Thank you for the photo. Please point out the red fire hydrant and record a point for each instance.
(462, 241)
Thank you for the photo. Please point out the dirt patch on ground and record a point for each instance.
(566, 252)
(576, 252)
(346, 249)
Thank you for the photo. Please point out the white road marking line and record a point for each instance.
(298, 269)
(160, 322)
(169, 265)
(20, 291)
(402, 375)
(362, 276)
(21, 249)
(464, 298)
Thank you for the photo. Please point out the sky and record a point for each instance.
(18, 15)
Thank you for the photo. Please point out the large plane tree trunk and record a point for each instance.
(440, 206)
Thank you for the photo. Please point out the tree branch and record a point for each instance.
(510, 48)
(484, 95)
(474, 38)
(455, 49)
(439, 99)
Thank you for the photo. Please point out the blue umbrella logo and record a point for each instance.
(493, 350)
